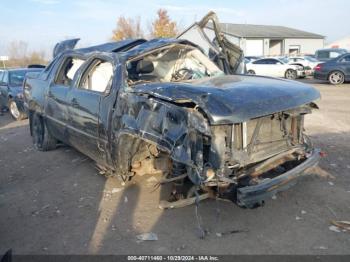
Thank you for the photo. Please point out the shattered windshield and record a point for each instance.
(171, 64)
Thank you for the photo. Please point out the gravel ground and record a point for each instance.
(57, 203)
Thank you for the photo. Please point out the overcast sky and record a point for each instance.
(41, 23)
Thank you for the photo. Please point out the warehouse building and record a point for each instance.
(266, 40)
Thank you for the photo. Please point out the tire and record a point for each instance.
(14, 111)
(336, 78)
(42, 139)
(291, 74)
(251, 72)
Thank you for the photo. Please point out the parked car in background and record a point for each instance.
(329, 53)
(312, 56)
(11, 90)
(307, 62)
(336, 71)
(252, 58)
(275, 67)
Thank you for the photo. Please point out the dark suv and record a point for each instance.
(336, 71)
(11, 90)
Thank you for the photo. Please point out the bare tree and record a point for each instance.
(19, 56)
(17, 49)
(127, 28)
(36, 57)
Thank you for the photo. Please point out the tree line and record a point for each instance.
(162, 26)
(20, 56)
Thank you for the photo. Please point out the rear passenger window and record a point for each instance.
(260, 62)
(98, 77)
(323, 54)
(67, 71)
(46, 72)
(273, 62)
(334, 54)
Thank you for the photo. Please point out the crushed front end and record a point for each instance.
(251, 161)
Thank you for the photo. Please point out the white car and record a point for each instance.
(309, 63)
(275, 67)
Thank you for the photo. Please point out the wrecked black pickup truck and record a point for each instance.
(173, 106)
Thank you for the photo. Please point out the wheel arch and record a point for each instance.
(127, 145)
(35, 107)
(335, 70)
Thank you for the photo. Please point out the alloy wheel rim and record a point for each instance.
(290, 74)
(336, 78)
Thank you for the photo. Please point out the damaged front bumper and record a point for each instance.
(251, 196)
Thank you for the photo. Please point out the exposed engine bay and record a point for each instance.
(232, 157)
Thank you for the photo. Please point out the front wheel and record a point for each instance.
(336, 78)
(251, 72)
(15, 112)
(42, 139)
(291, 74)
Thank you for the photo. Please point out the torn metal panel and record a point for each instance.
(226, 55)
(64, 46)
(250, 196)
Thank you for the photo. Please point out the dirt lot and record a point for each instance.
(56, 203)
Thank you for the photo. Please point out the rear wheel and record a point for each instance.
(291, 74)
(14, 111)
(251, 72)
(336, 78)
(42, 139)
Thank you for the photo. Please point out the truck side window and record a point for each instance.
(323, 54)
(98, 77)
(67, 71)
(46, 72)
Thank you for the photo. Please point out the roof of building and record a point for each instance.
(265, 31)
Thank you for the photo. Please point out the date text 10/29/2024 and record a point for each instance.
(173, 258)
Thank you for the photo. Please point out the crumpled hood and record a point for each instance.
(234, 98)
